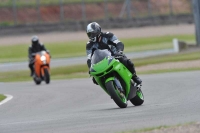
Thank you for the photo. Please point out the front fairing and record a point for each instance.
(100, 61)
(98, 55)
(105, 69)
(42, 60)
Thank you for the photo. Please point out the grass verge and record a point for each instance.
(2, 97)
(33, 3)
(169, 70)
(159, 128)
(77, 48)
(81, 71)
(167, 58)
(20, 76)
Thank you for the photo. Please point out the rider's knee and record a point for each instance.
(130, 63)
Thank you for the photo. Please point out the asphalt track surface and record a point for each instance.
(16, 66)
(79, 106)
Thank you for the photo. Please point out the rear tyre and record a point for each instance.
(120, 100)
(138, 99)
(46, 76)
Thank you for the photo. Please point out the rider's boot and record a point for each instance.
(32, 71)
(131, 68)
(137, 80)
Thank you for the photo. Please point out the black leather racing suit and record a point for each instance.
(109, 41)
(34, 48)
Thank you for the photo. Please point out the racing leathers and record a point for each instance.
(110, 41)
(31, 51)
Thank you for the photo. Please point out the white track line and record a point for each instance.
(8, 97)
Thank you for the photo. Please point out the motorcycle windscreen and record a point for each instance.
(99, 55)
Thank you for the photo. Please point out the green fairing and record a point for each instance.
(103, 68)
(109, 79)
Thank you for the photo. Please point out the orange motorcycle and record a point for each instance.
(42, 67)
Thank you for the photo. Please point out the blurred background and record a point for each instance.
(159, 35)
(72, 15)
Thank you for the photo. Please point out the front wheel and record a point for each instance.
(46, 76)
(37, 80)
(116, 95)
(138, 99)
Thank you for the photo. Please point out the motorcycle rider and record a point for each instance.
(107, 40)
(35, 47)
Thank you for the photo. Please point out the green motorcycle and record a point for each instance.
(115, 79)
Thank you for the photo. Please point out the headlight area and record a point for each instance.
(43, 59)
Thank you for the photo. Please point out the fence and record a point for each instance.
(196, 5)
(29, 12)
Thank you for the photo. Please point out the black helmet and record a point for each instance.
(93, 31)
(35, 40)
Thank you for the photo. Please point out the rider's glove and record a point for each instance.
(94, 81)
(33, 54)
(119, 53)
(48, 52)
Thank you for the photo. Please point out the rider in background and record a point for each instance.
(107, 40)
(35, 47)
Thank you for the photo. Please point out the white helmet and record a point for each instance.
(93, 31)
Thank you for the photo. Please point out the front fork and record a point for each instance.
(118, 84)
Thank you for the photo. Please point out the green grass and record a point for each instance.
(6, 23)
(155, 40)
(21, 76)
(2, 97)
(32, 3)
(81, 71)
(77, 48)
(170, 70)
(58, 50)
(167, 58)
(155, 46)
(56, 73)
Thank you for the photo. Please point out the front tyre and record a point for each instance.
(46, 76)
(37, 80)
(119, 99)
(138, 99)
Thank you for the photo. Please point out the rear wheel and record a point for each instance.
(46, 76)
(118, 97)
(138, 99)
